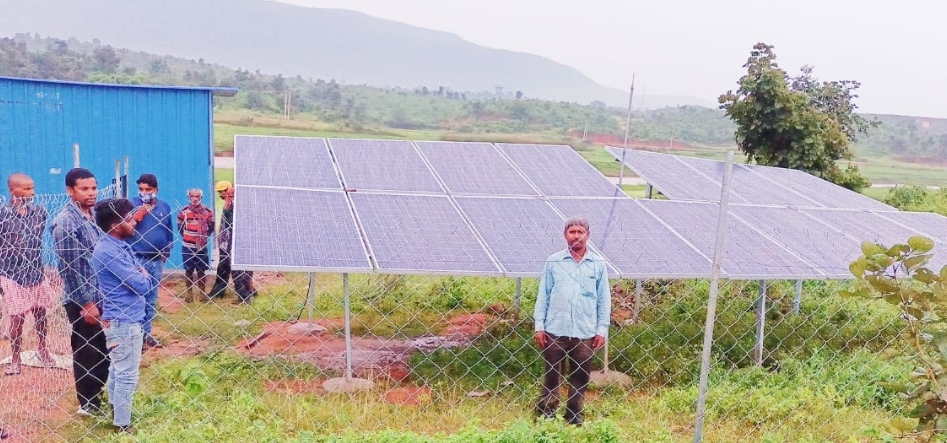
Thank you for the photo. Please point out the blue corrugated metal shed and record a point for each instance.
(164, 130)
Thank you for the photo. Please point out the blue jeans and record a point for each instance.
(154, 268)
(124, 340)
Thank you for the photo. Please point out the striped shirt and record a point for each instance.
(74, 237)
(574, 299)
(195, 223)
(21, 244)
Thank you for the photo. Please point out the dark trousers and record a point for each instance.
(242, 280)
(571, 358)
(90, 360)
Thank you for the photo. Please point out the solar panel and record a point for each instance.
(420, 234)
(474, 168)
(747, 253)
(557, 170)
(634, 241)
(862, 225)
(383, 165)
(746, 185)
(284, 161)
(825, 247)
(927, 224)
(521, 232)
(824, 193)
(315, 232)
(668, 175)
(689, 178)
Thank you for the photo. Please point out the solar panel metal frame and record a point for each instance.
(468, 205)
(774, 174)
(239, 226)
(706, 190)
(767, 223)
(352, 174)
(371, 236)
(740, 188)
(433, 152)
(727, 267)
(246, 145)
(603, 246)
(580, 173)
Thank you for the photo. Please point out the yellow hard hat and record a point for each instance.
(223, 185)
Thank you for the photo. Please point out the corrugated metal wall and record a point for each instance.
(164, 131)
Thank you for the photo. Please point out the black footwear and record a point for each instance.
(149, 342)
(125, 430)
(12, 369)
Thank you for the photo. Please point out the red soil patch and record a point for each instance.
(38, 400)
(467, 325)
(409, 396)
(372, 357)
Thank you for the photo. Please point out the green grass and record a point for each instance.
(887, 170)
(834, 363)
(224, 134)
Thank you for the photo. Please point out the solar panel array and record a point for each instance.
(689, 178)
(460, 208)
(456, 208)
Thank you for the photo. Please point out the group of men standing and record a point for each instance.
(110, 259)
(111, 255)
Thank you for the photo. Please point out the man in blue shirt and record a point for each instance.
(74, 237)
(122, 283)
(152, 243)
(573, 311)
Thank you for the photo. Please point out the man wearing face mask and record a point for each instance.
(151, 244)
(21, 268)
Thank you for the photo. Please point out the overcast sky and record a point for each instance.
(896, 49)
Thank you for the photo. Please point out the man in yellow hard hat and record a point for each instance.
(242, 280)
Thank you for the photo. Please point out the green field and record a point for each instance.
(883, 170)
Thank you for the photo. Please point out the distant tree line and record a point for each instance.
(435, 108)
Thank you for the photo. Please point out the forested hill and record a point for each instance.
(430, 107)
(350, 47)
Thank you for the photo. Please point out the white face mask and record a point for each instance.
(146, 197)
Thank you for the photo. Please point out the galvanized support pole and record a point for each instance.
(712, 302)
(348, 327)
(311, 298)
(516, 300)
(636, 309)
(631, 96)
(760, 324)
(797, 300)
(118, 179)
(127, 183)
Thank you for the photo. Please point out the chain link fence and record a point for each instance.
(451, 358)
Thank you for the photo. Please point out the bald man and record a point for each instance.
(22, 276)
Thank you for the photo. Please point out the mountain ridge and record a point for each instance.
(349, 46)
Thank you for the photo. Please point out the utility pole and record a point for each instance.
(631, 96)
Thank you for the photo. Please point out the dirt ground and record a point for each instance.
(372, 357)
(38, 401)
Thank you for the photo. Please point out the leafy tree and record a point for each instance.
(899, 276)
(798, 124)
(106, 60)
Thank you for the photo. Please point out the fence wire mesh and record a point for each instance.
(453, 357)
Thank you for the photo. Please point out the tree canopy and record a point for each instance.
(798, 123)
